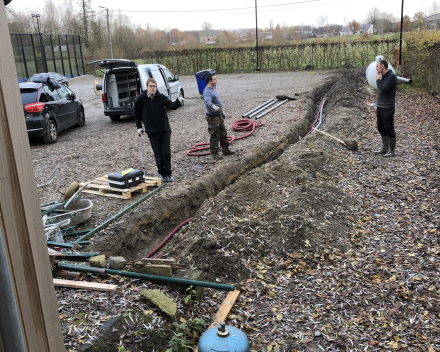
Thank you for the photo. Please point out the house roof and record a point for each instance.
(432, 17)
(366, 26)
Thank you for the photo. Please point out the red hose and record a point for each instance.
(166, 239)
(238, 126)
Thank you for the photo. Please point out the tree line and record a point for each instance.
(130, 40)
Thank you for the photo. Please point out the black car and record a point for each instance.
(55, 76)
(50, 108)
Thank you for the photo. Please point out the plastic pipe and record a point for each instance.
(403, 79)
(66, 245)
(264, 113)
(258, 107)
(264, 107)
(171, 280)
(118, 215)
(166, 239)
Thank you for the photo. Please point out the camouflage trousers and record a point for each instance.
(217, 133)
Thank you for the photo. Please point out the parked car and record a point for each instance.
(124, 80)
(50, 108)
(55, 76)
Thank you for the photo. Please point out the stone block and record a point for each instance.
(161, 301)
(98, 261)
(116, 263)
(196, 275)
(154, 269)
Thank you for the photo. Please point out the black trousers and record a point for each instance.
(161, 145)
(385, 122)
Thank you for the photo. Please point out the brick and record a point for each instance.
(116, 263)
(161, 301)
(192, 275)
(155, 269)
(98, 261)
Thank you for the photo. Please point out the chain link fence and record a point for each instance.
(36, 53)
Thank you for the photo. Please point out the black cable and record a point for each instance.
(237, 8)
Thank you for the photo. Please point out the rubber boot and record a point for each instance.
(385, 145)
(217, 156)
(228, 152)
(392, 147)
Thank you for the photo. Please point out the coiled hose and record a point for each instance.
(238, 126)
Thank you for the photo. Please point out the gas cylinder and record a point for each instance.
(371, 71)
(225, 338)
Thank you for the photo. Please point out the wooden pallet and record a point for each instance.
(100, 186)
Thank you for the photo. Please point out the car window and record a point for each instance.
(169, 75)
(52, 94)
(63, 92)
(28, 96)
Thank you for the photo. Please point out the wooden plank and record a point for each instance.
(224, 310)
(20, 220)
(95, 286)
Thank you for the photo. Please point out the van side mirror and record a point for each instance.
(176, 78)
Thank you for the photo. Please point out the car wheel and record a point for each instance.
(51, 132)
(81, 118)
(182, 95)
(115, 118)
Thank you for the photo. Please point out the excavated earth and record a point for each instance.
(280, 222)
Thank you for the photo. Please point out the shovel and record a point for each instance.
(350, 145)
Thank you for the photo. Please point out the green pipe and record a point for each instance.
(77, 233)
(172, 280)
(58, 206)
(82, 268)
(118, 215)
(66, 245)
(83, 254)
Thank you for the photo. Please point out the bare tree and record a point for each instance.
(206, 26)
(322, 21)
(373, 16)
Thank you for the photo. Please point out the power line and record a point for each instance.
(251, 12)
(233, 9)
(82, 19)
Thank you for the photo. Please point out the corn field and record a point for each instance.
(272, 58)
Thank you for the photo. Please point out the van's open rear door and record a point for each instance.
(113, 63)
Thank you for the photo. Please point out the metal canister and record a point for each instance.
(225, 338)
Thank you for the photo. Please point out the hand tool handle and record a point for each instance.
(340, 141)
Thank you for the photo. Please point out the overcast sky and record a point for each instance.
(232, 14)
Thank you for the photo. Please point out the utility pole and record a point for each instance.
(108, 32)
(400, 48)
(43, 49)
(256, 32)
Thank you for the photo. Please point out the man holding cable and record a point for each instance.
(386, 82)
(150, 109)
(215, 118)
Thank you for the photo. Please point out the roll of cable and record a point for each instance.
(241, 125)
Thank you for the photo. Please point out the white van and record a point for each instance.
(124, 80)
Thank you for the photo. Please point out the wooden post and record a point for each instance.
(20, 218)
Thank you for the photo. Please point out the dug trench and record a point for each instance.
(277, 200)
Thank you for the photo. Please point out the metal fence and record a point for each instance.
(47, 53)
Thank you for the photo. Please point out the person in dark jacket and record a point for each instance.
(386, 82)
(150, 109)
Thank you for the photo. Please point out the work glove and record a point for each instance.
(140, 131)
(216, 108)
(223, 115)
(181, 100)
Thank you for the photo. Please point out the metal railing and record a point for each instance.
(47, 53)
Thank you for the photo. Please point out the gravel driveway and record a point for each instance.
(102, 146)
